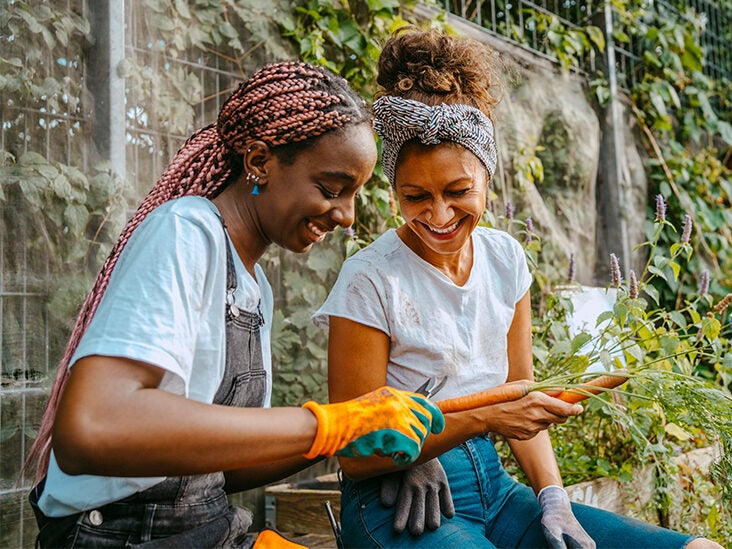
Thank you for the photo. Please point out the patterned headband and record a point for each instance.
(397, 120)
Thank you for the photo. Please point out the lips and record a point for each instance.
(443, 231)
(317, 232)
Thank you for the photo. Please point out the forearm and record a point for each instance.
(131, 428)
(261, 475)
(185, 438)
(536, 458)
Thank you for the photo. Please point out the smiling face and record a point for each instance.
(315, 192)
(442, 194)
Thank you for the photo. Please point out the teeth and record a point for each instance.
(445, 230)
(316, 230)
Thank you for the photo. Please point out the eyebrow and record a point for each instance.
(335, 174)
(453, 182)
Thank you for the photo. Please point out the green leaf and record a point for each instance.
(711, 327)
(596, 36)
(228, 30)
(676, 268)
(181, 6)
(76, 217)
(678, 319)
(676, 432)
(652, 293)
(656, 271)
(579, 341)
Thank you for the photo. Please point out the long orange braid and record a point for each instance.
(281, 104)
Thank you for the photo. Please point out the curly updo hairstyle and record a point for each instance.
(432, 67)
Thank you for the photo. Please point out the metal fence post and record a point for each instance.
(107, 19)
(612, 233)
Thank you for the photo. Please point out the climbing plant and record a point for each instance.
(71, 211)
(683, 114)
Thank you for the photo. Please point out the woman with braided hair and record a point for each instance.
(161, 403)
(443, 297)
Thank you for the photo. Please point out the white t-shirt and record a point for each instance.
(436, 328)
(165, 305)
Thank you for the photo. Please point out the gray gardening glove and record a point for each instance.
(561, 528)
(420, 494)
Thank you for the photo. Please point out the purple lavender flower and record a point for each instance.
(704, 283)
(529, 230)
(660, 208)
(632, 285)
(572, 269)
(686, 233)
(509, 210)
(349, 232)
(617, 277)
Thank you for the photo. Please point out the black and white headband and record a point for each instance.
(397, 120)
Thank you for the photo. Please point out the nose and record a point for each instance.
(344, 212)
(441, 212)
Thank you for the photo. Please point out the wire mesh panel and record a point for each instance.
(527, 24)
(41, 126)
(44, 142)
(158, 122)
(536, 25)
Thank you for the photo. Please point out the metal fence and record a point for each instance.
(52, 131)
(31, 345)
(150, 144)
(523, 22)
(529, 24)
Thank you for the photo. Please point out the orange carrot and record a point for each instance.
(496, 395)
(517, 389)
(579, 393)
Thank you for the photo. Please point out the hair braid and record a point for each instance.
(281, 104)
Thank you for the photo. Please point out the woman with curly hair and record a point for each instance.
(445, 298)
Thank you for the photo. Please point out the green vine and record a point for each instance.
(682, 113)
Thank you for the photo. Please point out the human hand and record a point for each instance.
(421, 494)
(524, 418)
(386, 421)
(561, 528)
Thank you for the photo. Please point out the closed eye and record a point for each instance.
(416, 197)
(330, 195)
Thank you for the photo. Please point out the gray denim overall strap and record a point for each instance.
(189, 511)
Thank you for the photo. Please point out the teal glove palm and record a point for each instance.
(561, 529)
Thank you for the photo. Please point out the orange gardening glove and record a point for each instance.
(270, 539)
(386, 421)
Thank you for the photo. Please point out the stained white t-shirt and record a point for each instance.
(165, 305)
(436, 328)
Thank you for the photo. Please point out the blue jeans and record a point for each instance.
(491, 510)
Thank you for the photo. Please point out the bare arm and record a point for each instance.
(261, 475)
(357, 362)
(535, 455)
(113, 420)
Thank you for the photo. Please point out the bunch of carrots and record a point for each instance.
(518, 389)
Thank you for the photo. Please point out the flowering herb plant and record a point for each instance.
(678, 364)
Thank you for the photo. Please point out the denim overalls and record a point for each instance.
(189, 511)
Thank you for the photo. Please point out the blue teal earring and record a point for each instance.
(254, 181)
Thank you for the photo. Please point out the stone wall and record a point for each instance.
(581, 206)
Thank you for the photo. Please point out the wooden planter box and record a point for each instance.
(300, 507)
